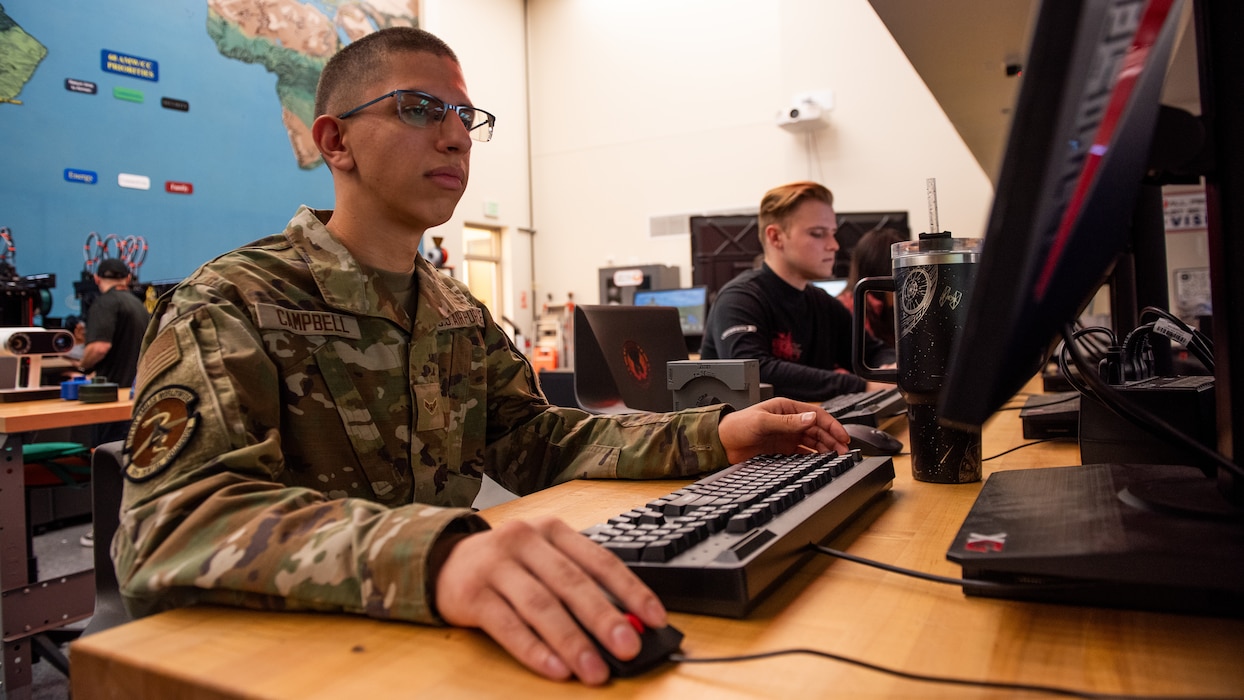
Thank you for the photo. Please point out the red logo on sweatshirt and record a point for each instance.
(785, 348)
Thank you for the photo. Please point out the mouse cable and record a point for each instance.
(997, 685)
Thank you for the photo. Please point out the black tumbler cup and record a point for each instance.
(932, 277)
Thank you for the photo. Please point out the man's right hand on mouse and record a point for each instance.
(521, 583)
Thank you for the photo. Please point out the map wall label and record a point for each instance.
(134, 182)
(170, 103)
(85, 87)
(85, 177)
(127, 94)
(178, 187)
(133, 66)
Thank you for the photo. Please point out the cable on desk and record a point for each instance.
(906, 572)
(1025, 687)
(1055, 402)
(1019, 447)
(935, 578)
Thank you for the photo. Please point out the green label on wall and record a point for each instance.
(127, 94)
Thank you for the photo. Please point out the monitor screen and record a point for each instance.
(692, 305)
(1062, 211)
(834, 287)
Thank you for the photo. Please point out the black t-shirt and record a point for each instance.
(120, 318)
(802, 338)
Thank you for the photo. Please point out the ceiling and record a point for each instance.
(961, 48)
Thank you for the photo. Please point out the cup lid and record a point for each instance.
(935, 249)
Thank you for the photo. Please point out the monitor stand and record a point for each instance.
(1138, 536)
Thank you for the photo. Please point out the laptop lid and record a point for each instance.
(621, 353)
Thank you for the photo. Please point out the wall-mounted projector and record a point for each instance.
(807, 112)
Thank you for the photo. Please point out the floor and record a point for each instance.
(59, 552)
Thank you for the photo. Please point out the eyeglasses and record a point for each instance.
(422, 110)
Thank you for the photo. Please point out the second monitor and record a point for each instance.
(692, 305)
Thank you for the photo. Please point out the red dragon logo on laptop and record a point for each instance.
(636, 360)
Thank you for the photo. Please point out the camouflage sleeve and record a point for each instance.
(533, 445)
(206, 517)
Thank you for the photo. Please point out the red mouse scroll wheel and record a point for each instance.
(635, 622)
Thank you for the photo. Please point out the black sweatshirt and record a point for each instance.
(802, 338)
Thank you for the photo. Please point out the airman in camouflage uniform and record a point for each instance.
(297, 446)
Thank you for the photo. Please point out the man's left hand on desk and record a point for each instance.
(780, 426)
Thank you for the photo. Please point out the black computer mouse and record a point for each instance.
(656, 645)
(872, 441)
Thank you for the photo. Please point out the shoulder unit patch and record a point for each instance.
(161, 428)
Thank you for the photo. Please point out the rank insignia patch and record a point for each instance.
(162, 426)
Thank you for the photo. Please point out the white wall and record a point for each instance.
(655, 107)
(489, 37)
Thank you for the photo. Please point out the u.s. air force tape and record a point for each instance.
(161, 428)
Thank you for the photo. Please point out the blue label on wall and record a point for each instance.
(133, 66)
(85, 177)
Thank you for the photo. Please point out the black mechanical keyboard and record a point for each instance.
(867, 407)
(719, 545)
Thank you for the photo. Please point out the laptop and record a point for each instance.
(621, 353)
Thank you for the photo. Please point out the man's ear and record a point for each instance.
(773, 235)
(327, 134)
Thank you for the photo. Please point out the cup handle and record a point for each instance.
(858, 335)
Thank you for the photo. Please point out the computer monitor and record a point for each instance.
(1068, 187)
(1071, 198)
(692, 305)
(834, 287)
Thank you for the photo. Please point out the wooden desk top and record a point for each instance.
(46, 414)
(831, 605)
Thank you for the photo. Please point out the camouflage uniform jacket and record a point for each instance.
(295, 445)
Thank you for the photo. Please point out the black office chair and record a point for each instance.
(107, 484)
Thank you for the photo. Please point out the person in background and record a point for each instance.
(77, 326)
(799, 333)
(316, 410)
(871, 258)
(115, 323)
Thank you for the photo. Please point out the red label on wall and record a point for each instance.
(179, 187)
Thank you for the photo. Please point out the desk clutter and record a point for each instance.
(95, 390)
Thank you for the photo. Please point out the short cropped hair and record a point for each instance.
(355, 64)
(780, 202)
